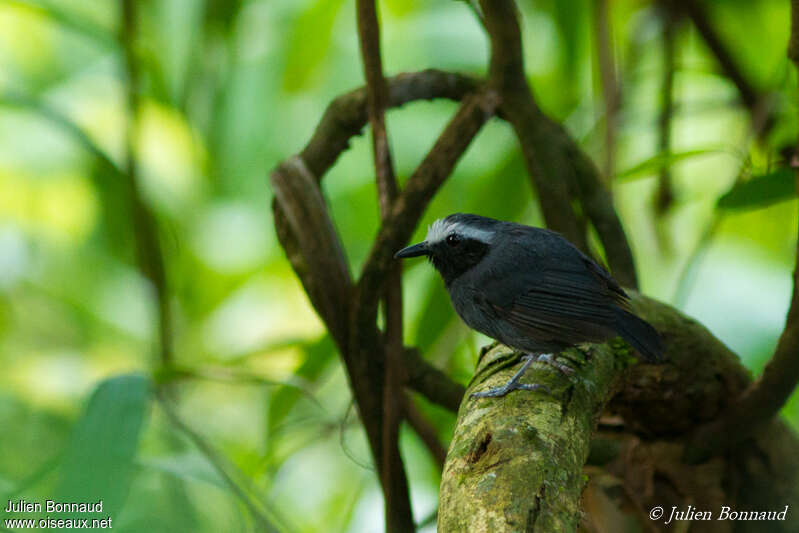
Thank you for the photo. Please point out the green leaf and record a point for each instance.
(99, 460)
(761, 191)
(188, 466)
(71, 21)
(663, 159)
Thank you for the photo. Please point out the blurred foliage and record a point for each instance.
(229, 89)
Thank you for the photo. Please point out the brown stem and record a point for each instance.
(377, 101)
(422, 185)
(399, 516)
(312, 244)
(347, 115)
(148, 248)
(425, 430)
(506, 73)
(559, 169)
(611, 91)
(365, 358)
(793, 44)
(398, 513)
(431, 382)
(750, 95)
(665, 193)
(221, 465)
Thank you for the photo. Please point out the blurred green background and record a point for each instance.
(230, 88)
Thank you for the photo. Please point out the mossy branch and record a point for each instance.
(517, 463)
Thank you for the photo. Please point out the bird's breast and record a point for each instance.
(472, 308)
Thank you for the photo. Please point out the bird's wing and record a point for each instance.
(562, 296)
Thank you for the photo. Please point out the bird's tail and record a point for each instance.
(640, 334)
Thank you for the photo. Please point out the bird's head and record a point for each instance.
(455, 244)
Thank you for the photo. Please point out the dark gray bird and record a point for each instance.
(530, 289)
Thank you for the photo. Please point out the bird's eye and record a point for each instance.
(453, 239)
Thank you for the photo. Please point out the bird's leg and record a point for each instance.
(549, 359)
(513, 383)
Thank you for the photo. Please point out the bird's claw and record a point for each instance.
(549, 359)
(498, 392)
(514, 382)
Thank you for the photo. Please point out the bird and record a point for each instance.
(530, 289)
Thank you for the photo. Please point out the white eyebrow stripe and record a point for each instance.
(474, 233)
(439, 230)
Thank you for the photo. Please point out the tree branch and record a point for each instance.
(346, 116)
(313, 247)
(749, 95)
(611, 91)
(425, 430)
(762, 119)
(377, 101)
(420, 188)
(303, 226)
(365, 357)
(517, 463)
(665, 193)
(431, 382)
(506, 73)
(398, 513)
(559, 169)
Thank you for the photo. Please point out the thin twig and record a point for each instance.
(425, 430)
(398, 513)
(222, 466)
(365, 357)
(431, 382)
(296, 183)
(611, 91)
(751, 96)
(377, 101)
(665, 192)
(148, 247)
(419, 190)
(347, 114)
(318, 257)
(688, 274)
(62, 121)
(506, 74)
(561, 172)
(313, 246)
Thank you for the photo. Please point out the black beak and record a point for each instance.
(412, 251)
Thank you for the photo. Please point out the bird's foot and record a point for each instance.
(549, 359)
(498, 392)
(513, 383)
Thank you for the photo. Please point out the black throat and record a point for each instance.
(452, 262)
